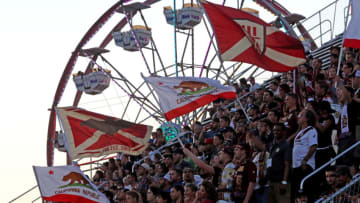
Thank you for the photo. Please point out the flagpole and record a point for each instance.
(342, 43)
(175, 42)
(208, 50)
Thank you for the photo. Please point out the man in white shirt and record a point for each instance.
(253, 85)
(305, 144)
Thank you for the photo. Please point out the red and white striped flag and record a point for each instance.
(90, 134)
(181, 95)
(67, 184)
(352, 34)
(246, 38)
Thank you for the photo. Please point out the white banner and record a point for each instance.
(181, 95)
(66, 184)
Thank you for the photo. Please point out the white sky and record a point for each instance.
(36, 40)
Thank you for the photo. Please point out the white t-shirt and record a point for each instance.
(306, 138)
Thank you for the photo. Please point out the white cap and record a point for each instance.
(146, 166)
(357, 73)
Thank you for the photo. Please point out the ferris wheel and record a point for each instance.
(144, 37)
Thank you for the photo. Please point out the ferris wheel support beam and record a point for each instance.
(128, 84)
(216, 50)
(65, 78)
(183, 53)
(153, 44)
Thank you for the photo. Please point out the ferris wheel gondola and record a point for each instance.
(140, 46)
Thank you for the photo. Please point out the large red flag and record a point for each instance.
(352, 34)
(91, 134)
(246, 38)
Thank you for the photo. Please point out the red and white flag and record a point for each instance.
(90, 134)
(66, 184)
(352, 34)
(181, 95)
(246, 38)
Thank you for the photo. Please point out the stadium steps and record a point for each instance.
(323, 52)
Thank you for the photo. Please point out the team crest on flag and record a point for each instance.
(255, 32)
(181, 95)
(243, 37)
(66, 184)
(90, 134)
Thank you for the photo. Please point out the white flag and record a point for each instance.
(181, 95)
(352, 34)
(66, 184)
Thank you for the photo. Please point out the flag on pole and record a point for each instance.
(90, 134)
(181, 95)
(352, 34)
(246, 38)
(66, 184)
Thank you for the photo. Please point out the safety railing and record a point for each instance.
(323, 25)
(22, 196)
(349, 193)
(327, 164)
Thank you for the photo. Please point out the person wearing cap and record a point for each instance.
(347, 124)
(142, 178)
(163, 183)
(253, 112)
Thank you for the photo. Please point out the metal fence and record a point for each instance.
(348, 194)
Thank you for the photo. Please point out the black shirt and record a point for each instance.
(279, 153)
(324, 139)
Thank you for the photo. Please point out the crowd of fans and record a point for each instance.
(257, 149)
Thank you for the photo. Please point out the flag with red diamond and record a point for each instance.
(181, 95)
(66, 184)
(246, 38)
(89, 134)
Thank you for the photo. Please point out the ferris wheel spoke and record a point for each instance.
(183, 53)
(236, 77)
(216, 50)
(129, 85)
(154, 47)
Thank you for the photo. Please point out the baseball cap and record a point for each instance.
(146, 166)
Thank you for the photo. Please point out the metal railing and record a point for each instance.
(349, 193)
(322, 25)
(24, 193)
(327, 164)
